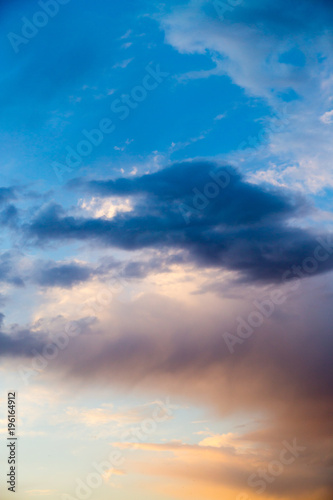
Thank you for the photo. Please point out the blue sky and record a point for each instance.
(166, 210)
(42, 119)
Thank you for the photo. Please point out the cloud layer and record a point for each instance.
(211, 213)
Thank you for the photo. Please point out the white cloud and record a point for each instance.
(327, 117)
(126, 35)
(221, 116)
(105, 208)
(301, 149)
(123, 64)
(219, 440)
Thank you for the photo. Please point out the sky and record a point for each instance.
(167, 248)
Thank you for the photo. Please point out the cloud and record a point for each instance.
(8, 212)
(21, 343)
(259, 56)
(224, 472)
(166, 348)
(105, 416)
(184, 354)
(18, 270)
(217, 440)
(253, 46)
(327, 117)
(123, 64)
(28, 341)
(236, 225)
(9, 216)
(68, 274)
(9, 268)
(49, 274)
(158, 345)
(6, 195)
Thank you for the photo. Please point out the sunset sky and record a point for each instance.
(167, 248)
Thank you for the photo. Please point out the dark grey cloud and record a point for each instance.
(22, 343)
(9, 212)
(281, 361)
(43, 273)
(66, 275)
(26, 342)
(8, 268)
(140, 269)
(244, 227)
(49, 274)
